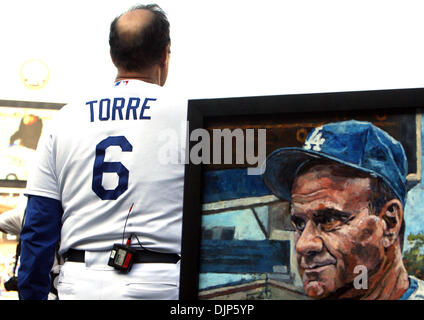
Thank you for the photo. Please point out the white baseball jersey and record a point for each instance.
(108, 151)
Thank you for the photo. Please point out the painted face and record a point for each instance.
(335, 231)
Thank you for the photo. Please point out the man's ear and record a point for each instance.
(392, 214)
(111, 57)
(165, 55)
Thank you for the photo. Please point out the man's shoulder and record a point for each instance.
(418, 293)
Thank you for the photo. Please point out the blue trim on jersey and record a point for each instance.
(39, 237)
(413, 285)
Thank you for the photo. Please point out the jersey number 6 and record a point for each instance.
(100, 166)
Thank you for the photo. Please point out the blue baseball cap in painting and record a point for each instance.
(356, 144)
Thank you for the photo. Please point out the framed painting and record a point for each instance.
(21, 125)
(239, 239)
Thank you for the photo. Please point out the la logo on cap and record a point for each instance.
(315, 140)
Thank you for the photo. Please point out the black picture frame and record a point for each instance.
(19, 107)
(200, 111)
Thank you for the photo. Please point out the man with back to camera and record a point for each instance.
(98, 185)
(347, 193)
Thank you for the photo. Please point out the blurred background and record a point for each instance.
(220, 48)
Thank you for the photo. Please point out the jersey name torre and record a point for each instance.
(132, 108)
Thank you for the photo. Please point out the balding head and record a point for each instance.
(139, 38)
(132, 23)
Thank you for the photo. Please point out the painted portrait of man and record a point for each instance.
(347, 192)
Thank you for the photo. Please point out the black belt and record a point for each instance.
(141, 256)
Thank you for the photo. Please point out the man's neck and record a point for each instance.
(389, 283)
(393, 283)
(152, 75)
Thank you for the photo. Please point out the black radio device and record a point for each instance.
(122, 256)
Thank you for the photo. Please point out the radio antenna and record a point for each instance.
(123, 233)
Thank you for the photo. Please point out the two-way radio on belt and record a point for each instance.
(122, 256)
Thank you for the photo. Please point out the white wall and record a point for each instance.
(224, 47)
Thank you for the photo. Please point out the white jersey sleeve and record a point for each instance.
(42, 180)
